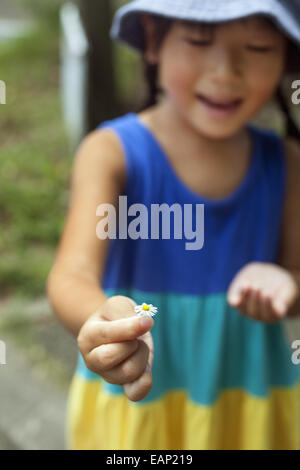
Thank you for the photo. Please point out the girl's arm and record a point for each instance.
(98, 176)
(289, 257)
(268, 291)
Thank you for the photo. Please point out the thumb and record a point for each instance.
(117, 307)
(285, 298)
(235, 293)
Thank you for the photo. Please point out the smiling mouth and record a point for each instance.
(228, 105)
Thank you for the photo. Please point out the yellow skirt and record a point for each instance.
(98, 419)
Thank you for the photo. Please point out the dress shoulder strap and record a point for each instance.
(139, 153)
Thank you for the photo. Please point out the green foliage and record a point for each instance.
(45, 10)
(35, 160)
(129, 82)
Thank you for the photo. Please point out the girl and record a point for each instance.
(215, 371)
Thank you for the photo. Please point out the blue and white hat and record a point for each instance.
(127, 28)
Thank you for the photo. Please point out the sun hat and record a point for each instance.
(126, 26)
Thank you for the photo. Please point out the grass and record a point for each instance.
(35, 159)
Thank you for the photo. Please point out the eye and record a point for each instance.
(260, 48)
(198, 42)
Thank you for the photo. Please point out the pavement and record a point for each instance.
(40, 361)
(32, 410)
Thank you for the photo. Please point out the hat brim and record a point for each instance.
(127, 28)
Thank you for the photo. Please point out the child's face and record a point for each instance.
(240, 60)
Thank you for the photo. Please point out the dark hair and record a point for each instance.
(150, 71)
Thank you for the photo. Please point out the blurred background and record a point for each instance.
(63, 76)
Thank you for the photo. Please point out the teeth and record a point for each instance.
(219, 105)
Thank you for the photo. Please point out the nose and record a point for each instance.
(225, 65)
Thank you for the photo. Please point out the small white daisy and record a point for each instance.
(145, 310)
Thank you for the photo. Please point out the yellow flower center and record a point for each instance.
(146, 307)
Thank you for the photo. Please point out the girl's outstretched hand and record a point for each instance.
(114, 344)
(263, 291)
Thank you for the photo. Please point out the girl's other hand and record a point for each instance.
(115, 345)
(263, 291)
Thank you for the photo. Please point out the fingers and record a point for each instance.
(263, 291)
(268, 304)
(107, 356)
(285, 296)
(140, 388)
(98, 332)
(128, 370)
(238, 292)
(266, 309)
(239, 288)
(234, 295)
(252, 301)
(117, 345)
(257, 305)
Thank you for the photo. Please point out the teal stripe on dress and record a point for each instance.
(204, 346)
